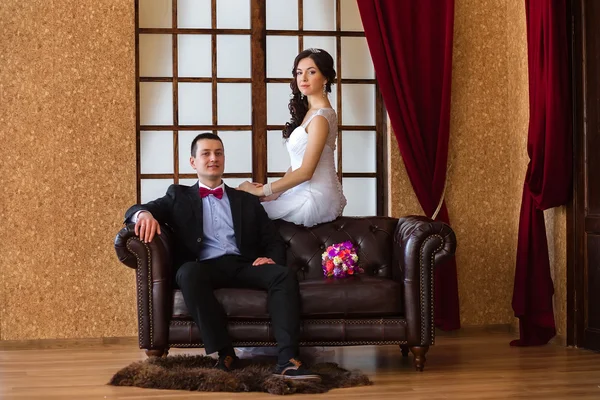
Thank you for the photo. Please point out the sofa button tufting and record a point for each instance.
(322, 247)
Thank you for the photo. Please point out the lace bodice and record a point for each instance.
(331, 117)
(297, 141)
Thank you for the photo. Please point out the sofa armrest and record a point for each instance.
(421, 245)
(154, 272)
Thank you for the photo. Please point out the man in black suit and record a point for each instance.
(235, 244)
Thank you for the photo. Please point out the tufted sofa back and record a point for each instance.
(373, 238)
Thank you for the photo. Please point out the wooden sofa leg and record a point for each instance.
(419, 353)
(157, 352)
(404, 349)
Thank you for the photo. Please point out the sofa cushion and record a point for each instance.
(355, 297)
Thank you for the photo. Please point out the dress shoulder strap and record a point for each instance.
(321, 111)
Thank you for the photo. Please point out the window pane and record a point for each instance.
(238, 151)
(281, 52)
(234, 103)
(152, 189)
(350, 17)
(233, 14)
(278, 159)
(194, 55)
(356, 59)
(357, 143)
(233, 56)
(319, 15)
(282, 14)
(235, 182)
(156, 55)
(188, 182)
(358, 104)
(195, 104)
(155, 13)
(361, 194)
(333, 98)
(335, 155)
(156, 103)
(156, 152)
(193, 14)
(278, 97)
(184, 145)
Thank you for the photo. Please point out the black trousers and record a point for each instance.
(198, 280)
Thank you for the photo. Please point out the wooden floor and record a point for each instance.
(478, 367)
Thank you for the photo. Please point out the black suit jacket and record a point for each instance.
(181, 209)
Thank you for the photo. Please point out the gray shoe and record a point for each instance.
(294, 369)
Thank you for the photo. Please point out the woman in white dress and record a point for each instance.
(310, 192)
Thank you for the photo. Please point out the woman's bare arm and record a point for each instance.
(317, 137)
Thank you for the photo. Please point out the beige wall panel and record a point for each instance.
(68, 167)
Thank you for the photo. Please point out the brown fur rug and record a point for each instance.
(196, 373)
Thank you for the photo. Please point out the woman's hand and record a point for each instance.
(252, 188)
(272, 197)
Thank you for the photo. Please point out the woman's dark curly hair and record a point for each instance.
(299, 106)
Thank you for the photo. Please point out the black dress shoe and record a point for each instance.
(294, 369)
(226, 363)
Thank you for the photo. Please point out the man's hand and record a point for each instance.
(262, 261)
(146, 227)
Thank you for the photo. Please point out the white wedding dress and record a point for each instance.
(320, 199)
(313, 202)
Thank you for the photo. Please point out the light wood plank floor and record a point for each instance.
(478, 367)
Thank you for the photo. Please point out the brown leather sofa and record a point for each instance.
(391, 303)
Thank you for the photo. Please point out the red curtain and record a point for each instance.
(411, 46)
(549, 173)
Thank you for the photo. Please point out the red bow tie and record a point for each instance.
(218, 192)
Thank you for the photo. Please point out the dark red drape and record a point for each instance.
(411, 46)
(548, 179)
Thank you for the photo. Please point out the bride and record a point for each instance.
(310, 192)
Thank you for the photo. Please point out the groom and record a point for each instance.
(236, 245)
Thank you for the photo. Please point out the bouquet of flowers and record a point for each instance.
(340, 260)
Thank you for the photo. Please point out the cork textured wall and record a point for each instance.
(488, 160)
(68, 167)
(556, 231)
